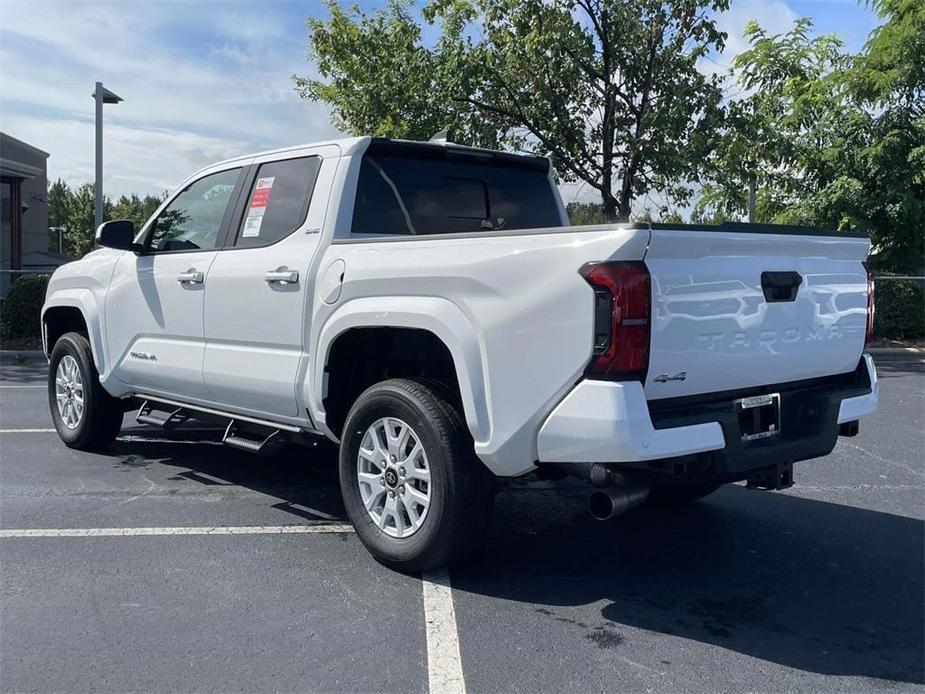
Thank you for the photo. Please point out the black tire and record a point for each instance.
(679, 494)
(461, 487)
(101, 419)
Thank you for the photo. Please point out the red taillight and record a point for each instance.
(869, 332)
(621, 319)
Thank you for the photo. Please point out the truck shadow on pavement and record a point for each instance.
(811, 585)
(817, 586)
(303, 480)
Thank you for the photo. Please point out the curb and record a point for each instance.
(897, 351)
(22, 356)
(37, 353)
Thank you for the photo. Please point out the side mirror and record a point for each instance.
(119, 233)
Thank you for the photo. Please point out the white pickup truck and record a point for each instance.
(429, 307)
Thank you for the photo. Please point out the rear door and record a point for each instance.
(256, 302)
(733, 310)
(155, 302)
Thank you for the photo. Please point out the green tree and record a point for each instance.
(137, 209)
(58, 194)
(610, 89)
(828, 139)
(888, 79)
(583, 213)
(79, 236)
(780, 136)
(73, 209)
(891, 71)
(378, 77)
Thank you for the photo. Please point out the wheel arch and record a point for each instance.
(77, 311)
(436, 323)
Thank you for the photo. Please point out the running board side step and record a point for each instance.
(239, 435)
(168, 418)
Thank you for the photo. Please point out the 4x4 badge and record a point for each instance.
(664, 378)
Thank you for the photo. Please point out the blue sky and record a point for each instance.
(204, 81)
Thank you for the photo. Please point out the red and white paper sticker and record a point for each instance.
(260, 198)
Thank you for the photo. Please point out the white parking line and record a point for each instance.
(4, 385)
(201, 530)
(26, 431)
(444, 666)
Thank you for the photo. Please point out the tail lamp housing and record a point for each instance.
(869, 328)
(622, 314)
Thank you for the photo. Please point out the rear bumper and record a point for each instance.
(607, 422)
(604, 421)
(853, 408)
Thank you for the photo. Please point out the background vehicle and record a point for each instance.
(428, 307)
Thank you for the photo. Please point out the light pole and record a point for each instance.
(102, 96)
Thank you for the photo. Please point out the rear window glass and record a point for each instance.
(408, 194)
(278, 201)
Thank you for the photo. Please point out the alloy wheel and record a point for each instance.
(69, 391)
(394, 477)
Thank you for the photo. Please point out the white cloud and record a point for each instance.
(774, 16)
(136, 159)
(201, 82)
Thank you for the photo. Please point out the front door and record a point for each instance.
(155, 303)
(256, 311)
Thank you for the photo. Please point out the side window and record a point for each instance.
(193, 219)
(278, 201)
(378, 207)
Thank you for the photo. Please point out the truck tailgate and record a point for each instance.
(734, 310)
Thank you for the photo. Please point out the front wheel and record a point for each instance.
(84, 414)
(412, 486)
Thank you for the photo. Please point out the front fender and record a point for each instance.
(85, 302)
(438, 316)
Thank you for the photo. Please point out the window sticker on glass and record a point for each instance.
(260, 198)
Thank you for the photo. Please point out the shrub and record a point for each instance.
(22, 308)
(900, 309)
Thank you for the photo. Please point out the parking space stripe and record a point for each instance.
(444, 665)
(4, 385)
(201, 530)
(26, 431)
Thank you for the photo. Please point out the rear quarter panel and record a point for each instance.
(525, 317)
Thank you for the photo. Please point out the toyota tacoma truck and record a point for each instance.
(429, 308)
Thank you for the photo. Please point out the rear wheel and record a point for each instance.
(679, 494)
(84, 414)
(412, 486)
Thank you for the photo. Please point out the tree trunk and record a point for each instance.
(625, 205)
(609, 201)
(610, 207)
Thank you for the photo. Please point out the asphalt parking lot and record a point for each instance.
(819, 588)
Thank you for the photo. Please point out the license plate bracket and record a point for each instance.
(759, 416)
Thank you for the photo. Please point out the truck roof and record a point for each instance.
(350, 145)
(347, 144)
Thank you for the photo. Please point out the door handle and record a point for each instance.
(282, 275)
(191, 276)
